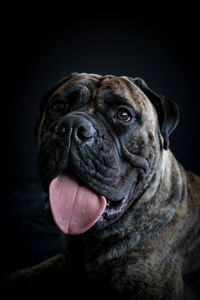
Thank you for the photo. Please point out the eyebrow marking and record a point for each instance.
(117, 99)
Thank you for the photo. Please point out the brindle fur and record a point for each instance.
(153, 250)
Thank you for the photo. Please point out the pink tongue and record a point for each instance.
(74, 208)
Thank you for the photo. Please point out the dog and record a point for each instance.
(128, 211)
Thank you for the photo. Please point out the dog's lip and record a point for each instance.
(81, 182)
(114, 208)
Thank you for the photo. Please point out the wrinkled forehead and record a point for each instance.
(103, 88)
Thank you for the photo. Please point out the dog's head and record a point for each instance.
(100, 139)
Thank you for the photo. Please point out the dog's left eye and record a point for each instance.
(58, 107)
(123, 115)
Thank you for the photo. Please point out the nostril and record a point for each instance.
(62, 130)
(83, 133)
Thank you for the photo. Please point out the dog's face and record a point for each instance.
(100, 139)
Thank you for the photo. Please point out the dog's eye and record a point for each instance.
(123, 115)
(58, 106)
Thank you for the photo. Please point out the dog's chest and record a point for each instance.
(122, 271)
(111, 267)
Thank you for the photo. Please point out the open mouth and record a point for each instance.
(113, 209)
(76, 208)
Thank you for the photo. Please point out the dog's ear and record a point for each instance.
(46, 96)
(167, 110)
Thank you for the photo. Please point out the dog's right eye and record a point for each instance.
(123, 115)
(58, 107)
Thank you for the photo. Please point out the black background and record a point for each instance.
(159, 44)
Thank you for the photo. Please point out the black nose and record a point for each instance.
(81, 129)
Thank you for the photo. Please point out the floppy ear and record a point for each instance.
(45, 98)
(167, 110)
